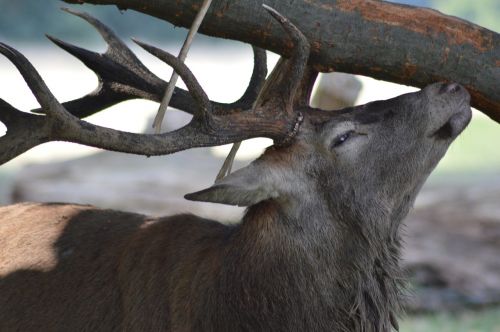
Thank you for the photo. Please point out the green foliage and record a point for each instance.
(484, 12)
(487, 320)
(29, 20)
(475, 150)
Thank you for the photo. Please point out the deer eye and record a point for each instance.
(342, 138)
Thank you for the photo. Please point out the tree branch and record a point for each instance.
(392, 42)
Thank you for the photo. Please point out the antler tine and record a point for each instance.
(306, 85)
(36, 84)
(287, 75)
(24, 131)
(117, 51)
(298, 60)
(9, 115)
(113, 68)
(114, 43)
(256, 83)
(184, 72)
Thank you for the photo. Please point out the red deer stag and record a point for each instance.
(317, 249)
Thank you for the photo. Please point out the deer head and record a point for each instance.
(375, 155)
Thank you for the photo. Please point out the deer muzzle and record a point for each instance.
(455, 114)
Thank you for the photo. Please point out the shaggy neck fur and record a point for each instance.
(331, 273)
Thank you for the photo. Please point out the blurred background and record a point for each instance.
(453, 233)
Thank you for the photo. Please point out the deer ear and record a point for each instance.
(245, 187)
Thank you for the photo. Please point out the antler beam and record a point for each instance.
(392, 42)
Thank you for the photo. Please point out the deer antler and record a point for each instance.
(261, 112)
(292, 77)
(122, 77)
(288, 73)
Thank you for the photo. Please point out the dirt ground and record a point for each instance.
(453, 245)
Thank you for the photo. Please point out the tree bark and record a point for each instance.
(392, 42)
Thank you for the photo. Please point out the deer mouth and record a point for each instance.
(454, 125)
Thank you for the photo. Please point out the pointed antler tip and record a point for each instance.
(267, 7)
(52, 38)
(6, 49)
(136, 40)
(291, 29)
(149, 48)
(71, 11)
(105, 31)
(59, 42)
(78, 52)
(274, 13)
(3, 45)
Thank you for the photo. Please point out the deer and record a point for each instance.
(317, 249)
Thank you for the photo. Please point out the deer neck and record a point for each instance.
(344, 260)
(315, 225)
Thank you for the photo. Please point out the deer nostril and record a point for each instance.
(449, 88)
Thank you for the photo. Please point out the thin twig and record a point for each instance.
(182, 57)
(228, 163)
